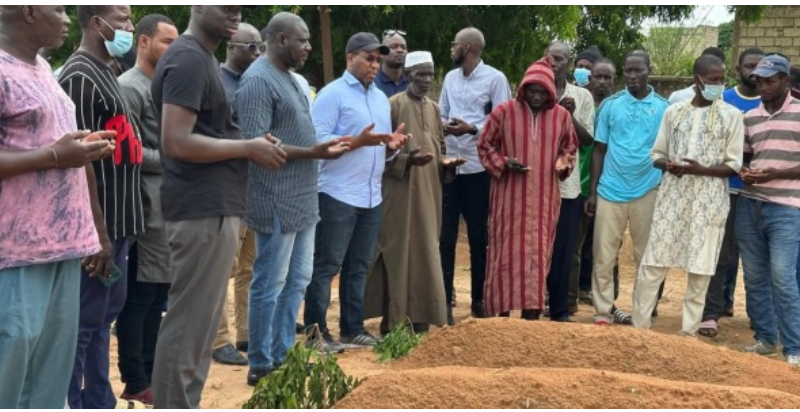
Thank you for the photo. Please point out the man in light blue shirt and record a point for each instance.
(351, 108)
(623, 179)
(469, 93)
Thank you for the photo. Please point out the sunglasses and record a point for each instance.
(392, 32)
(251, 47)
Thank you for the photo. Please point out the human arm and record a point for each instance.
(567, 151)
(490, 146)
(326, 113)
(136, 103)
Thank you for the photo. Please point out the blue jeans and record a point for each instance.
(90, 387)
(769, 244)
(282, 270)
(38, 333)
(346, 238)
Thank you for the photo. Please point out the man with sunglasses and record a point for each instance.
(243, 49)
(391, 78)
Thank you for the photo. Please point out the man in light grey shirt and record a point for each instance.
(150, 275)
(469, 94)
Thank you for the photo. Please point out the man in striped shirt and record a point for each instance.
(282, 204)
(768, 213)
(90, 79)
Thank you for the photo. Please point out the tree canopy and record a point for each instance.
(515, 35)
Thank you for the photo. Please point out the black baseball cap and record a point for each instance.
(365, 42)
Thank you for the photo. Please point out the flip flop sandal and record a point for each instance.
(708, 328)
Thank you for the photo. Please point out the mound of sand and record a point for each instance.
(507, 343)
(467, 388)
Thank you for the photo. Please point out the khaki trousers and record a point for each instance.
(242, 274)
(611, 220)
(648, 281)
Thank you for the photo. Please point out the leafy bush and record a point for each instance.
(309, 379)
(398, 343)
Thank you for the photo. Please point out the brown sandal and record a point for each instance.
(708, 328)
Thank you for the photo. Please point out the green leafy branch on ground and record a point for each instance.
(398, 343)
(309, 379)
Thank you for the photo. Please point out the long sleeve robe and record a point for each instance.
(524, 207)
(406, 279)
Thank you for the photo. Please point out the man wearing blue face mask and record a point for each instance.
(583, 66)
(699, 146)
(89, 77)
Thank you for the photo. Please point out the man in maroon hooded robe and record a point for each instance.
(528, 144)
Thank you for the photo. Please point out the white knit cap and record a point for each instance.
(418, 57)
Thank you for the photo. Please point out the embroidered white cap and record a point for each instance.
(418, 57)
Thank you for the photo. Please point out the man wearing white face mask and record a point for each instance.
(89, 77)
(699, 146)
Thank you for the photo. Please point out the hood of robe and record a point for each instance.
(541, 73)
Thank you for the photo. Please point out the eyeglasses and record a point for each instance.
(251, 47)
(392, 32)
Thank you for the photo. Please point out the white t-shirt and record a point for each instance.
(681, 95)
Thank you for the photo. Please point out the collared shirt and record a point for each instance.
(584, 114)
(269, 100)
(774, 141)
(388, 86)
(230, 81)
(744, 104)
(344, 108)
(471, 99)
(629, 127)
(681, 95)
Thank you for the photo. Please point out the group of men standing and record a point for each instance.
(188, 172)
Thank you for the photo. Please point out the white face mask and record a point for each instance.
(712, 92)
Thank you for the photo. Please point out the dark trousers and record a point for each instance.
(563, 251)
(728, 258)
(582, 263)
(89, 387)
(137, 328)
(468, 196)
(346, 239)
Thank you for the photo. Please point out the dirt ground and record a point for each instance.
(227, 388)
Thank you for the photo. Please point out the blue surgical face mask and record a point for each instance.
(122, 43)
(581, 76)
(712, 92)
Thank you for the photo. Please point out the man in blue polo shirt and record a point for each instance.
(354, 110)
(623, 179)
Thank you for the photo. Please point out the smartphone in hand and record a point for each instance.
(114, 275)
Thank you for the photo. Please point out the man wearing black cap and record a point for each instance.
(351, 109)
(768, 213)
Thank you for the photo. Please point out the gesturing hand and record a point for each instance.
(451, 162)
(332, 149)
(398, 139)
(415, 158)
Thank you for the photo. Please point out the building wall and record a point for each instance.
(778, 31)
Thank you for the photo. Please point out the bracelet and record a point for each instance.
(55, 156)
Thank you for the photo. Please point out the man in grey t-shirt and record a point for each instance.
(282, 204)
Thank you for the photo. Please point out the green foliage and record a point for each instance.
(725, 41)
(672, 50)
(616, 30)
(398, 343)
(515, 36)
(307, 380)
(749, 14)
